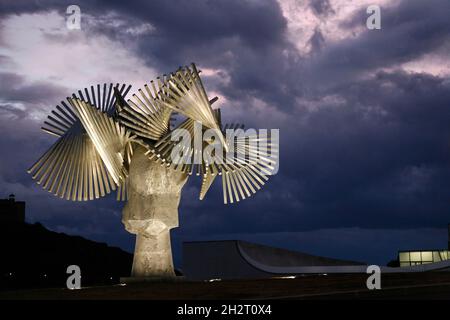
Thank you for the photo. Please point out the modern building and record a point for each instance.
(236, 259)
(419, 257)
(414, 258)
(12, 210)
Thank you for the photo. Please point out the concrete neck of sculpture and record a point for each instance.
(151, 211)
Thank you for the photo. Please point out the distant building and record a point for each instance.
(12, 210)
(418, 257)
(237, 259)
(414, 258)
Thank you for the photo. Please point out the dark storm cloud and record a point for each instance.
(14, 89)
(8, 110)
(201, 22)
(17, 7)
(380, 159)
(390, 134)
(408, 31)
(245, 38)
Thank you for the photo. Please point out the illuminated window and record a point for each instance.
(413, 258)
(427, 256)
(436, 256)
(404, 257)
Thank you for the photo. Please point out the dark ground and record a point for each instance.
(394, 286)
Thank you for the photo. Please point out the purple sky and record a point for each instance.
(364, 115)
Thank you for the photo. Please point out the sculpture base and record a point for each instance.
(151, 212)
(153, 256)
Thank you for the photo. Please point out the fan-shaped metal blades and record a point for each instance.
(144, 115)
(244, 169)
(100, 96)
(109, 138)
(253, 161)
(163, 150)
(72, 168)
(98, 127)
(187, 96)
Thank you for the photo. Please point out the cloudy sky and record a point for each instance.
(364, 115)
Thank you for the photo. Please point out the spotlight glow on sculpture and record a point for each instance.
(107, 143)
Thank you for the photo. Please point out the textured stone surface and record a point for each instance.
(151, 211)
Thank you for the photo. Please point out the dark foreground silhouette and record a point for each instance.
(34, 257)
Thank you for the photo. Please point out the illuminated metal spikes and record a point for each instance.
(72, 168)
(144, 114)
(207, 181)
(187, 96)
(103, 98)
(63, 118)
(188, 157)
(97, 129)
(109, 138)
(162, 150)
(244, 169)
(254, 158)
(122, 191)
(239, 181)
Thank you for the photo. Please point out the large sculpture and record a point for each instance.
(107, 143)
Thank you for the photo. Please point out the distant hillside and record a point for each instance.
(32, 256)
